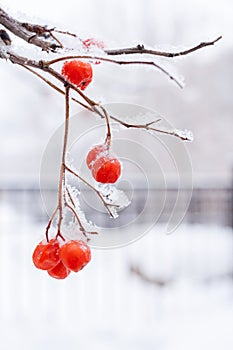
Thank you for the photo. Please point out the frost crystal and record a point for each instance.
(3, 52)
(115, 199)
(185, 135)
(71, 227)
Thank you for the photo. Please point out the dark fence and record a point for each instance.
(207, 205)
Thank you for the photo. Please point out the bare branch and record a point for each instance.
(140, 49)
(50, 223)
(104, 59)
(148, 126)
(31, 33)
(150, 280)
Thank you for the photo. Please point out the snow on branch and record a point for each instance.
(33, 34)
(140, 49)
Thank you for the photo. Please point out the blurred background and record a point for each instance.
(163, 291)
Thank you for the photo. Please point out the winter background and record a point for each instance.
(164, 291)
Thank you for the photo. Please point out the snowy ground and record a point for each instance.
(107, 307)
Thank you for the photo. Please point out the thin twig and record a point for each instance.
(70, 197)
(56, 87)
(56, 39)
(64, 32)
(106, 205)
(108, 138)
(61, 188)
(82, 228)
(109, 60)
(49, 224)
(140, 49)
(148, 127)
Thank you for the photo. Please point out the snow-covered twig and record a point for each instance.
(32, 34)
(140, 49)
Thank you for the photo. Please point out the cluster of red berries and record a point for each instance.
(59, 260)
(105, 167)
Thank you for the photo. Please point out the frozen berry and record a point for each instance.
(78, 73)
(94, 153)
(45, 255)
(75, 255)
(106, 169)
(60, 271)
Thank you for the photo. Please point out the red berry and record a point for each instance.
(94, 153)
(93, 42)
(106, 170)
(60, 271)
(75, 255)
(45, 255)
(78, 73)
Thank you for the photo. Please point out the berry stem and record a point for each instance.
(108, 138)
(49, 224)
(62, 179)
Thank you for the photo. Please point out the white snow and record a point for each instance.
(184, 134)
(115, 198)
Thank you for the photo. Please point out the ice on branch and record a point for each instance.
(3, 52)
(84, 226)
(115, 199)
(185, 135)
